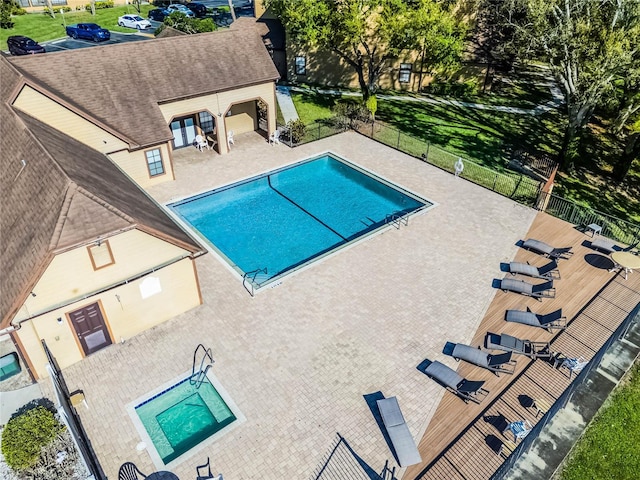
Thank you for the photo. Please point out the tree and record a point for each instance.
(366, 34)
(630, 153)
(630, 98)
(587, 44)
(180, 21)
(6, 7)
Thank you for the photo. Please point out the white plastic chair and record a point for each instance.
(201, 143)
(230, 138)
(519, 428)
(274, 138)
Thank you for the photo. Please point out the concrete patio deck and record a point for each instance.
(299, 358)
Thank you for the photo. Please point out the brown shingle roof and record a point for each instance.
(64, 194)
(121, 85)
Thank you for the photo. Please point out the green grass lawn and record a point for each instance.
(43, 27)
(609, 448)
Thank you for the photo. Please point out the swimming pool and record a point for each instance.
(181, 416)
(277, 222)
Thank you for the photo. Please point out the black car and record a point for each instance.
(198, 9)
(19, 45)
(158, 14)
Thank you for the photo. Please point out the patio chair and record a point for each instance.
(549, 271)
(604, 245)
(399, 434)
(230, 140)
(467, 390)
(507, 343)
(201, 143)
(129, 471)
(274, 138)
(519, 428)
(203, 472)
(547, 250)
(495, 363)
(574, 365)
(550, 321)
(539, 291)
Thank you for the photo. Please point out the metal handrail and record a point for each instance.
(397, 220)
(252, 277)
(198, 377)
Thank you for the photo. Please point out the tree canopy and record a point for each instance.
(366, 34)
(588, 44)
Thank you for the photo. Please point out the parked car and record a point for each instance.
(158, 14)
(134, 21)
(178, 7)
(88, 31)
(199, 9)
(19, 45)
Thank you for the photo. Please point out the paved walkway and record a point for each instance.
(287, 107)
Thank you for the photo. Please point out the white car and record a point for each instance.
(178, 7)
(134, 21)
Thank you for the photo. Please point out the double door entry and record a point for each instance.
(184, 131)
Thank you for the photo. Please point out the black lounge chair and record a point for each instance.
(551, 321)
(129, 471)
(549, 271)
(540, 291)
(467, 390)
(399, 434)
(507, 343)
(547, 250)
(495, 363)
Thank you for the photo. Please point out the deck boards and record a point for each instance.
(463, 440)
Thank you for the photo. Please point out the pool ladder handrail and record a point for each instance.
(198, 377)
(252, 279)
(397, 219)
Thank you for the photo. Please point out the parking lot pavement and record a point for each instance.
(116, 37)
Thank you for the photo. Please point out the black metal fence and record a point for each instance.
(72, 419)
(572, 212)
(527, 442)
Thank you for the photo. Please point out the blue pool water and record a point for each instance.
(286, 218)
(182, 416)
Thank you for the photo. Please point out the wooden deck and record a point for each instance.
(462, 440)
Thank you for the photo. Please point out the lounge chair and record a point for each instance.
(201, 143)
(604, 245)
(540, 291)
(467, 390)
(495, 363)
(507, 343)
(551, 321)
(549, 271)
(547, 250)
(399, 434)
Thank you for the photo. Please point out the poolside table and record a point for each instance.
(594, 228)
(626, 261)
(162, 475)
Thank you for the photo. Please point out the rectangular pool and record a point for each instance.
(279, 221)
(181, 416)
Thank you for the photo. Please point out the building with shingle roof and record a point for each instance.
(88, 258)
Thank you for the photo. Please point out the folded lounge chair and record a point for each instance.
(550, 321)
(467, 390)
(398, 431)
(507, 343)
(607, 246)
(550, 270)
(540, 291)
(495, 363)
(547, 250)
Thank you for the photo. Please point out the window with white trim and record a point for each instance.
(154, 162)
(301, 65)
(405, 72)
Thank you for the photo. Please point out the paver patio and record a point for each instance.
(299, 357)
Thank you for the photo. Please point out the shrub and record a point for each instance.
(99, 5)
(349, 113)
(297, 130)
(61, 9)
(25, 435)
(5, 15)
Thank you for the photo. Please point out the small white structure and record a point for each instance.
(458, 167)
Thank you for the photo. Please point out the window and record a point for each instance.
(301, 65)
(206, 122)
(24, 3)
(101, 255)
(405, 72)
(154, 162)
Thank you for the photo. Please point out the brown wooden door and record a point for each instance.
(90, 328)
